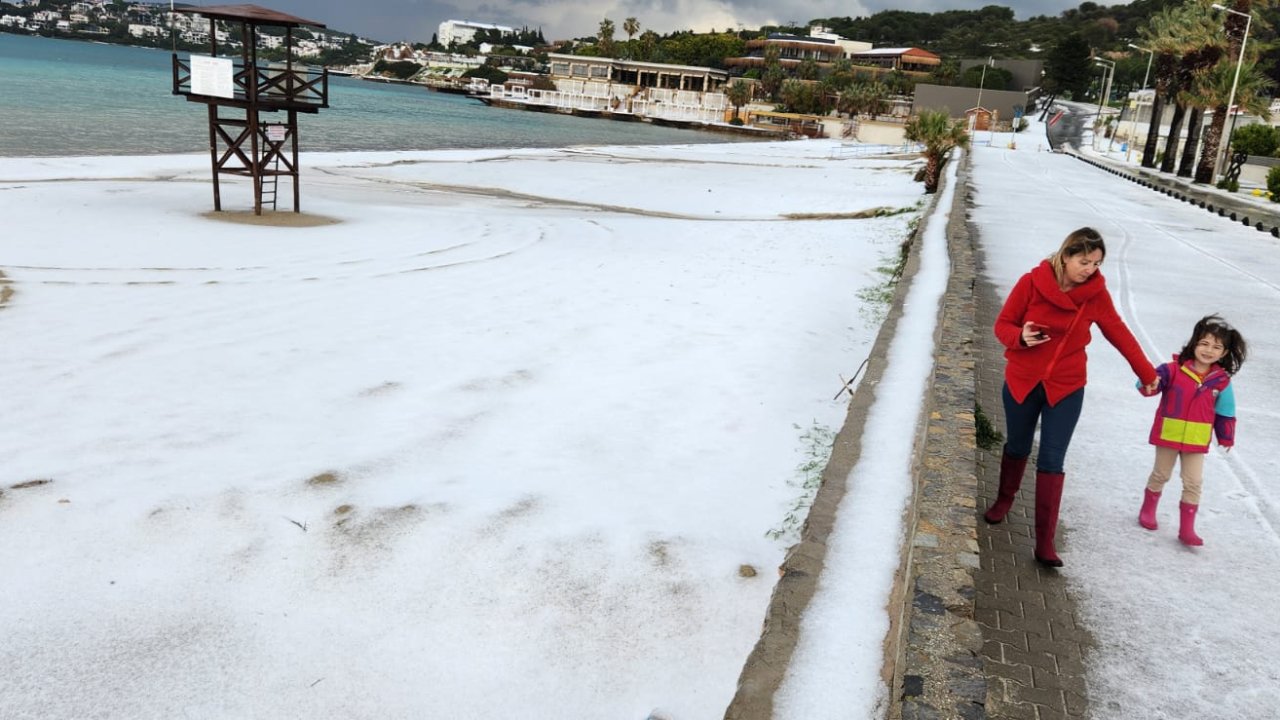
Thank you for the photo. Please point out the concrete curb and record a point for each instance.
(1209, 198)
(940, 671)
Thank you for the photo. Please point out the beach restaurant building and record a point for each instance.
(621, 90)
(636, 74)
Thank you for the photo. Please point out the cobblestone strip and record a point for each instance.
(766, 666)
(940, 671)
(1033, 646)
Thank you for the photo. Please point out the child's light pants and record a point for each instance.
(1192, 464)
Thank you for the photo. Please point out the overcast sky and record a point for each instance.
(417, 20)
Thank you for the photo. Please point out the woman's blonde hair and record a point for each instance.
(1082, 241)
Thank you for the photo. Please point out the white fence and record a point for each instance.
(654, 103)
(851, 150)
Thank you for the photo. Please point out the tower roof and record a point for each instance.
(255, 14)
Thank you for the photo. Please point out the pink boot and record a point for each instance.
(1187, 532)
(1147, 517)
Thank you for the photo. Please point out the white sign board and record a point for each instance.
(275, 133)
(212, 76)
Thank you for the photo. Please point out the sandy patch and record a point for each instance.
(271, 219)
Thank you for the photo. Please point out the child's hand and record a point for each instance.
(1152, 388)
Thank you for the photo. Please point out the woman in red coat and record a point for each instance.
(1044, 326)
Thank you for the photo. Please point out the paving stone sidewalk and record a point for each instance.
(1033, 645)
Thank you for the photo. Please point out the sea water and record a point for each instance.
(70, 97)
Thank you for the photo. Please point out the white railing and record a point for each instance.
(856, 149)
(654, 103)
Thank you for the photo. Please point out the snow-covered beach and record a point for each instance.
(505, 435)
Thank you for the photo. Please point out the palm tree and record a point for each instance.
(947, 73)
(630, 26)
(1199, 44)
(648, 44)
(773, 75)
(738, 94)
(877, 98)
(1161, 37)
(940, 134)
(848, 102)
(1198, 39)
(1234, 26)
(605, 39)
(1213, 88)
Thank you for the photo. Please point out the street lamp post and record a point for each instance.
(1248, 20)
(1108, 71)
(1133, 121)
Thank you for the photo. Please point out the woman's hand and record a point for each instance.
(1034, 334)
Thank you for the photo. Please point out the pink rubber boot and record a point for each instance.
(1147, 517)
(1187, 531)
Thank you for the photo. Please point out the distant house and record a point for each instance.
(820, 45)
(140, 31)
(905, 59)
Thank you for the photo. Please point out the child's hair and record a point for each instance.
(1231, 340)
(1080, 242)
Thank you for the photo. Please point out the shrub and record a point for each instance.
(488, 72)
(1256, 140)
(1273, 183)
(989, 437)
(400, 69)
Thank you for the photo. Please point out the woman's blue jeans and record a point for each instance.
(1057, 425)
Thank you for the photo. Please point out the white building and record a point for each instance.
(461, 31)
(140, 31)
(850, 46)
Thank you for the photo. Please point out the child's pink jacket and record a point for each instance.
(1193, 408)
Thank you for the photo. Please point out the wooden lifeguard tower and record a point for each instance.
(244, 97)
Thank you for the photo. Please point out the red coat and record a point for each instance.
(1060, 363)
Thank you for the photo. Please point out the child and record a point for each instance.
(1196, 403)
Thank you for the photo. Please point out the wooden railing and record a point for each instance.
(274, 85)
